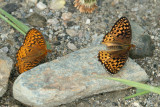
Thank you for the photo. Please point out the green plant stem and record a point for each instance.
(137, 94)
(22, 28)
(137, 85)
(19, 24)
(12, 24)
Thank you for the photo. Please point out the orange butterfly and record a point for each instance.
(32, 52)
(118, 41)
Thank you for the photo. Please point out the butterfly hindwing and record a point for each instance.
(25, 64)
(113, 62)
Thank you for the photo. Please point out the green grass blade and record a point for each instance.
(137, 94)
(22, 28)
(136, 84)
(48, 45)
(138, 90)
(12, 24)
(19, 24)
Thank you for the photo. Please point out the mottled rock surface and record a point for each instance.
(71, 77)
(11, 7)
(37, 20)
(5, 69)
(142, 40)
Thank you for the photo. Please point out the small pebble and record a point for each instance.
(4, 50)
(30, 10)
(41, 6)
(134, 9)
(71, 46)
(66, 16)
(71, 32)
(57, 4)
(76, 27)
(50, 36)
(31, 1)
(53, 21)
(136, 104)
(11, 7)
(4, 36)
(114, 2)
(36, 19)
(88, 21)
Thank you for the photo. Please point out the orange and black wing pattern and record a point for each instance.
(32, 52)
(113, 63)
(120, 32)
(119, 36)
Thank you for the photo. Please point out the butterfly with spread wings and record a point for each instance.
(118, 41)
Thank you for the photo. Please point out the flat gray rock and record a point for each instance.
(142, 40)
(37, 20)
(5, 69)
(71, 77)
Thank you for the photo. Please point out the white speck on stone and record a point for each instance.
(158, 75)
(136, 104)
(11, 31)
(30, 10)
(4, 37)
(41, 6)
(152, 37)
(50, 37)
(88, 21)
(134, 9)
(29, 1)
(77, 27)
(71, 46)
(66, 16)
(41, 29)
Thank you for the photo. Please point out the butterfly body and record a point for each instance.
(32, 52)
(118, 41)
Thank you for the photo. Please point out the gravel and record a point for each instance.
(143, 12)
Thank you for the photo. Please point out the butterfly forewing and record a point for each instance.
(120, 32)
(34, 37)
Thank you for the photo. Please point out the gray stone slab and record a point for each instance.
(71, 77)
(5, 69)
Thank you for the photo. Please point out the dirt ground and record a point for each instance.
(144, 12)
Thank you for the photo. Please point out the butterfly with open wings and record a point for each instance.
(118, 41)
